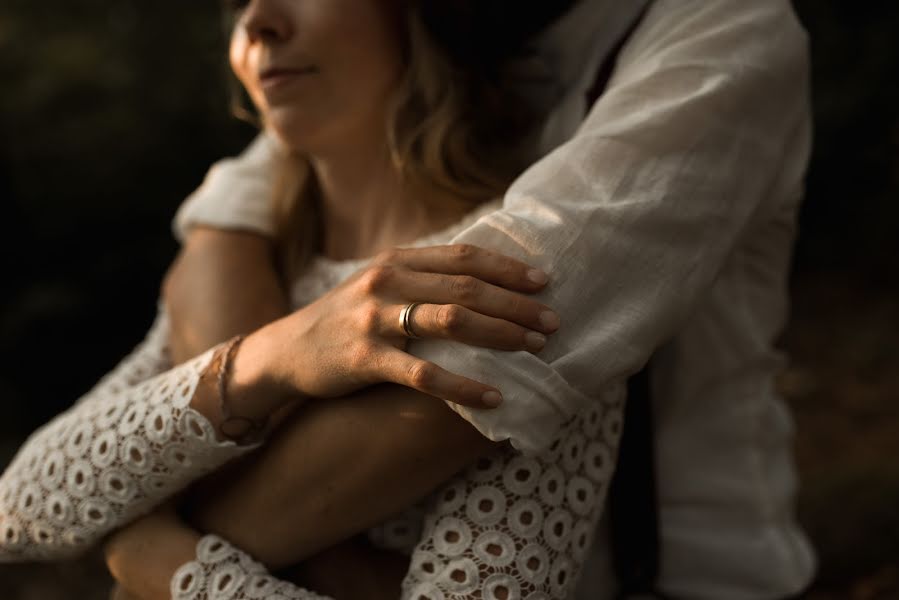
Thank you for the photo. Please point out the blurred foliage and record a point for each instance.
(111, 112)
(851, 213)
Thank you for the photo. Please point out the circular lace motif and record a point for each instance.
(43, 534)
(194, 426)
(495, 548)
(557, 529)
(572, 452)
(451, 498)
(158, 425)
(580, 495)
(94, 513)
(533, 564)
(53, 470)
(526, 518)
(176, 457)
(598, 462)
(580, 539)
(486, 505)
(552, 486)
(11, 533)
(187, 581)
(501, 586)
(226, 582)
(460, 576)
(260, 586)
(104, 449)
(132, 419)
(80, 437)
(59, 508)
(117, 486)
(426, 566)
(136, 456)
(452, 536)
(110, 415)
(213, 549)
(559, 575)
(30, 501)
(593, 420)
(611, 426)
(522, 475)
(80, 481)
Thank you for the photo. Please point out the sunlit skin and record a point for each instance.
(320, 72)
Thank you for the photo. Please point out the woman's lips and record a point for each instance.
(271, 79)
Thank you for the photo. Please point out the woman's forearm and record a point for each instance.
(335, 468)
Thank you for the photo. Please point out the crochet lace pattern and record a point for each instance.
(126, 446)
(510, 527)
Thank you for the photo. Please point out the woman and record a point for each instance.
(671, 210)
(148, 429)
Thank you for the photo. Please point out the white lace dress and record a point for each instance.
(510, 527)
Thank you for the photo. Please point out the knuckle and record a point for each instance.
(464, 287)
(376, 278)
(369, 317)
(420, 374)
(451, 317)
(463, 251)
(387, 257)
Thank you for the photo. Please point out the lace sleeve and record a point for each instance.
(222, 571)
(513, 526)
(127, 445)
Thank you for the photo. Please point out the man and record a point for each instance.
(665, 223)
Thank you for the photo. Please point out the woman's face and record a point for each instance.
(319, 71)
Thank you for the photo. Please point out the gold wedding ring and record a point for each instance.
(406, 320)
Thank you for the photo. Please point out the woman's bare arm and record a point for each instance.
(333, 469)
(223, 283)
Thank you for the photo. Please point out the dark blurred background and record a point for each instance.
(111, 112)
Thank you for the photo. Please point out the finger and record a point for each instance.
(470, 292)
(399, 367)
(465, 259)
(455, 322)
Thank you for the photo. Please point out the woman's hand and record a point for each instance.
(352, 336)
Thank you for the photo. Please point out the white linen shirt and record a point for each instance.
(666, 224)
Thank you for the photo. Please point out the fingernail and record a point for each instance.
(534, 341)
(549, 320)
(492, 399)
(538, 276)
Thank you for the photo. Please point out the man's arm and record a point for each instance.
(700, 135)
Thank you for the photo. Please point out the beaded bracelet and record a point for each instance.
(247, 430)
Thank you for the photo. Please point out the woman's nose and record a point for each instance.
(266, 21)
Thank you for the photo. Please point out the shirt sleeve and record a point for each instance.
(236, 193)
(634, 217)
(127, 445)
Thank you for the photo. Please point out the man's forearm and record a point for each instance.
(335, 468)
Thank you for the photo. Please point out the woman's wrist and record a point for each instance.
(239, 392)
(251, 388)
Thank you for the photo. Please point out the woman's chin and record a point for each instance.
(296, 135)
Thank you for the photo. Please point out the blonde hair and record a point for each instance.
(447, 127)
